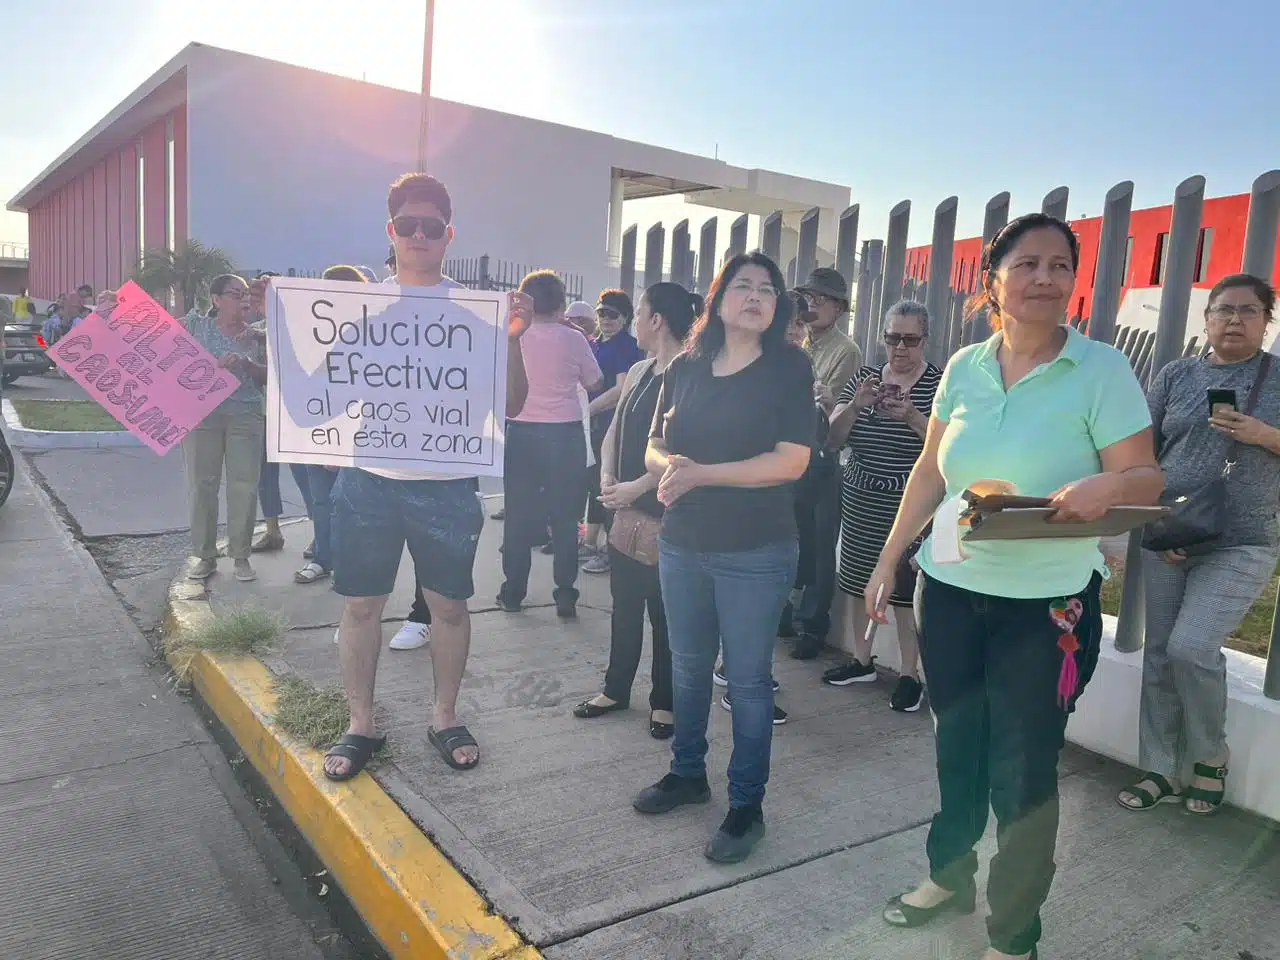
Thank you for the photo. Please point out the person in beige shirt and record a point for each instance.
(835, 360)
(835, 357)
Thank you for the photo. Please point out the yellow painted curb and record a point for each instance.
(409, 895)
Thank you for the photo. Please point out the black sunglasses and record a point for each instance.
(902, 339)
(608, 313)
(433, 228)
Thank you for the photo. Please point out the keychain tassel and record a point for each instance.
(1069, 675)
(1065, 614)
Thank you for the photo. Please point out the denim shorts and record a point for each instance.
(375, 517)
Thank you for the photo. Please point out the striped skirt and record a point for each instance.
(866, 516)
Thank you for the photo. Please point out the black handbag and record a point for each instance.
(1200, 517)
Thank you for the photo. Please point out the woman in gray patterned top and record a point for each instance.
(1197, 596)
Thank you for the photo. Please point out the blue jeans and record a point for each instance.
(734, 599)
(317, 489)
(269, 487)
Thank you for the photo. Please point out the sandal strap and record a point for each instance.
(1148, 798)
(1212, 772)
(1166, 788)
(1208, 796)
(452, 738)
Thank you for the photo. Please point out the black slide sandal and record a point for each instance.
(448, 740)
(357, 751)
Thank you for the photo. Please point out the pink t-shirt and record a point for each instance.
(557, 360)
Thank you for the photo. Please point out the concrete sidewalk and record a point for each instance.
(544, 827)
(119, 841)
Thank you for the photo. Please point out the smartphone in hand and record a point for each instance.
(1221, 398)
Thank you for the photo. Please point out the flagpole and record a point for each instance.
(428, 36)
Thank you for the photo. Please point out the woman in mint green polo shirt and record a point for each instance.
(1042, 407)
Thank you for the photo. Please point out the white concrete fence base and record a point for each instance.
(1106, 718)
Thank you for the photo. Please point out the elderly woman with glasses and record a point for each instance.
(1208, 412)
(229, 440)
(881, 417)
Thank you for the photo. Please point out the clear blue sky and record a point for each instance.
(896, 99)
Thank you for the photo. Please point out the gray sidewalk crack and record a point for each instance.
(102, 766)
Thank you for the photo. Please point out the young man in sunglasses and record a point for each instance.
(835, 359)
(377, 511)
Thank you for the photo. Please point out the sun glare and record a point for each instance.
(491, 53)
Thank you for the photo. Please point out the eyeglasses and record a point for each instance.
(903, 339)
(1246, 311)
(766, 291)
(433, 228)
(233, 293)
(608, 313)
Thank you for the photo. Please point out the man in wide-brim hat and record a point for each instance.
(835, 359)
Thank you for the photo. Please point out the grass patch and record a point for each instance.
(316, 716)
(1254, 633)
(63, 415)
(241, 633)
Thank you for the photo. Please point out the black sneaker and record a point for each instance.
(851, 672)
(671, 792)
(806, 647)
(742, 829)
(720, 680)
(907, 695)
(567, 609)
(779, 715)
(506, 604)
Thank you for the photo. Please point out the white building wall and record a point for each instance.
(290, 168)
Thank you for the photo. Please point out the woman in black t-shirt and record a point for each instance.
(731, 435)
(662, 322)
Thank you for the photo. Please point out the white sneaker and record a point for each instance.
(411, 636)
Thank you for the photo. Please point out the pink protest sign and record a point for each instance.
(144, 369)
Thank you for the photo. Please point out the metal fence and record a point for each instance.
(878, 277)
(485, 273)
(13, 251)
(479, 273)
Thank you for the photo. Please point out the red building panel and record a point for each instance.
(75, 230)
(1222, 232)
(128, 210)
(155, 185)
(100, 256)
(180, 176)
(111, 222)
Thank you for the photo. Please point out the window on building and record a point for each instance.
(170, 223)
(142, 208)
(1161, 261)
(1128, 262)
(1203, 251)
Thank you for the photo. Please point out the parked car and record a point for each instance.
(25, 353)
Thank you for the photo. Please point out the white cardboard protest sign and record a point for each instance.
(378, 375)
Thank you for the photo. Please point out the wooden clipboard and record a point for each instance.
(1032, 522)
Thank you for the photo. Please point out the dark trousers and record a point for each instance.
(818, 540)
(635, 587)
(544, 474)
(993, 665)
